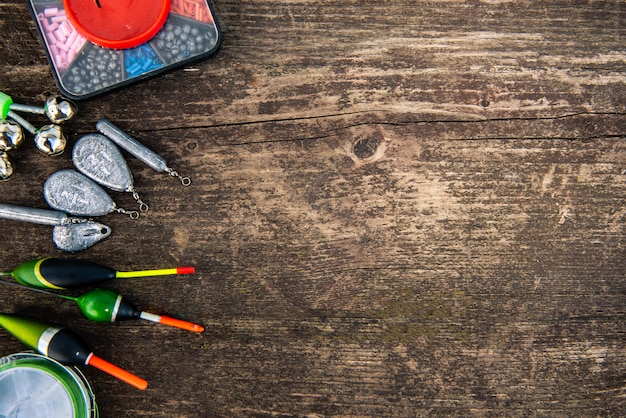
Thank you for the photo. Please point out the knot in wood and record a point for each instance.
(366, 147)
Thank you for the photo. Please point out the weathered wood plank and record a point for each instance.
(397, 209)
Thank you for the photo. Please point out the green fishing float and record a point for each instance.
(65, 273)
(63, 345)
(103, 305)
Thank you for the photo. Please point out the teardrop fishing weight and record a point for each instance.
(72, 192)
(98, 158)
(137, 149)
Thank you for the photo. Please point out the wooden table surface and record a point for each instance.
(398, 209)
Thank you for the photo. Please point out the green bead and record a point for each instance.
(5, 105)
(98, 304)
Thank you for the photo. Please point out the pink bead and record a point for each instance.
(51, 11)
(65, 28)
(58, 35)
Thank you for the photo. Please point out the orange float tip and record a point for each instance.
(117, 372)
(178, 323)
(185, 270)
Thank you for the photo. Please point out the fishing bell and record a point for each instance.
(56, 108)
(49, 139)
(100, 160)
(11, 135)
(72, 192)
(6, 167)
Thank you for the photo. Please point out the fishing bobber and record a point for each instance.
(64, 273)
(63, 345)
(103, 305)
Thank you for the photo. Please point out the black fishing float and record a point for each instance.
(63, 345)
(64, 273)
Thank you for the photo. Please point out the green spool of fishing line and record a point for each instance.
(32, 385)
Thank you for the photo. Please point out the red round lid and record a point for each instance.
(117, 24)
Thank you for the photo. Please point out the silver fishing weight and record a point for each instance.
(98, 158)
(72, 192)
(69, 234)
(140, 151)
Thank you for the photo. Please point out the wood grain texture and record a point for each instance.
(398, 209)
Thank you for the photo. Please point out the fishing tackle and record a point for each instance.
(76, 194)
(98, 158)
(49, 139)
(102, 305)
(6, 166)
(11, 135)
(64, 273)
(134, 147)
(56, 109)
(70, 234)
(63, 345)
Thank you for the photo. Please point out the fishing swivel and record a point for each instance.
(185, 181)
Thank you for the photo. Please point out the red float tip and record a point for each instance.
(185, 270)
(117, 372)
(178, 323)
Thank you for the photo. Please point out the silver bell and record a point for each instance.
(11, 135)
(6, 167)
(50, 140)
(59, 110)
